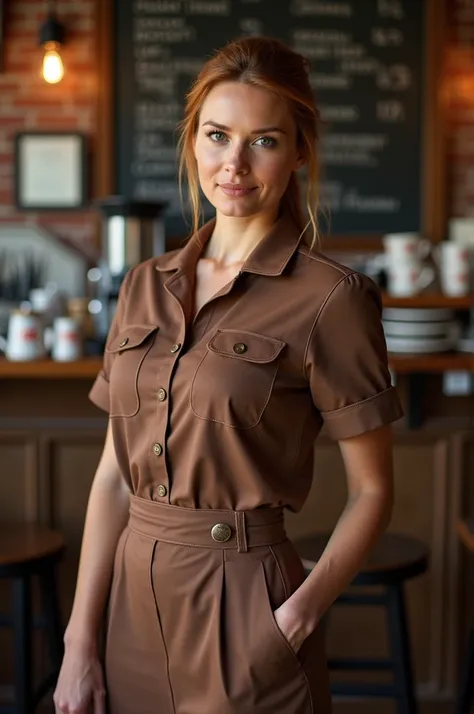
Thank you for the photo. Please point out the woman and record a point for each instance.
(223, 361)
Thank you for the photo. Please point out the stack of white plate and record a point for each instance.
(420, 330)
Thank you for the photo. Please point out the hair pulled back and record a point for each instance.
(269, 64)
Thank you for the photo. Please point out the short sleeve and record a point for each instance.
(346, 361)
(99, 393)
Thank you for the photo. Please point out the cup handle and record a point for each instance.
(425, 248)
(48, 338)
(3, 344)
(425, 278)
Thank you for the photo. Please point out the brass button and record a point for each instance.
(162, 395)
(240, 348)
(157, 449)
(221, 532)
(175, 348)
(124, 342)
(162, 490)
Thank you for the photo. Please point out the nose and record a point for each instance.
(236, 161)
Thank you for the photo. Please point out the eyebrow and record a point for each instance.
(263, 130)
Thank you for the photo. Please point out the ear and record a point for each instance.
(300, 161)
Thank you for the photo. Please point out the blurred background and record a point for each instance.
(90, 95)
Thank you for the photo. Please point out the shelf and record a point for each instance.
(431, 363)
(89, 367)
(86, 368)
(433, 299)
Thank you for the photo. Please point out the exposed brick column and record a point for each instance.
(27, 102)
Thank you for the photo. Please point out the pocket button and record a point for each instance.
(240, 348)
(123, 342)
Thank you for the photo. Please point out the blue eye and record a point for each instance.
(216, 135)
(268, 142)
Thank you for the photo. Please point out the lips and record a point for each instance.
(235, 189)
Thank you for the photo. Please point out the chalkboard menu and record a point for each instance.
(367, 64)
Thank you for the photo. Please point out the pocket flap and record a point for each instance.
(247, 346)
(129, 337)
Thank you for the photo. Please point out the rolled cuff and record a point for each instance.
(99, 393)
(382, 408)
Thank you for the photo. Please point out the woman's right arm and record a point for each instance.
(107, 516)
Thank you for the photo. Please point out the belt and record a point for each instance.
(206, 527)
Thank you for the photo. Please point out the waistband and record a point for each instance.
(207, 528)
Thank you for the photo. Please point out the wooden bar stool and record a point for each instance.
(465, 700)
(28, 551)
(395, 559)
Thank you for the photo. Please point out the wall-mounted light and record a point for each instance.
(52, 36)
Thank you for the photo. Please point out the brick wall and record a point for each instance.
(458, 99)
(27, 102)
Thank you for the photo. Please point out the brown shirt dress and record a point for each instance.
(214, 422)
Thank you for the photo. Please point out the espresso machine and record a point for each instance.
(131, 231)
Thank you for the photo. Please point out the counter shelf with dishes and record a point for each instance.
(425, 334)
(431, 354)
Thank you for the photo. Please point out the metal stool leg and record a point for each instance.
(52, 612)
(466, 695)
(400, 650)
(53, 626)
(22, 645)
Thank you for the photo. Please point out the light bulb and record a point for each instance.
(53, 69)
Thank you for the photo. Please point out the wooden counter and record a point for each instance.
(89, 367)
(400, 363)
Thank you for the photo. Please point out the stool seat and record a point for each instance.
(22, 543)
(395, 558)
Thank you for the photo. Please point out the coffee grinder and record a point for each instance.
(132, 231)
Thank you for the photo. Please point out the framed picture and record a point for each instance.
(50, 171)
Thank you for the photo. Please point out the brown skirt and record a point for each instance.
(190, 626)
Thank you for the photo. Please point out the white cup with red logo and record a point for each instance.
(25, 339)
(405, 248)
(405, 279)
(66, 340)
(454, 263)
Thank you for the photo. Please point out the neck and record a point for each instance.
(233, 239)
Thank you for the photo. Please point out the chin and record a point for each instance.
(238, 211)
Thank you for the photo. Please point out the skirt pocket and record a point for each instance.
(264, 674)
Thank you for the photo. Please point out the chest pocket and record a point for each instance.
(129, 347)
(233, 382)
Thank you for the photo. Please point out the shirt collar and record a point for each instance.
(269, 257)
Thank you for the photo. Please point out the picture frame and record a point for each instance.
(50, 171)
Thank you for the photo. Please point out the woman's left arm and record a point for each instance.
(368, 464)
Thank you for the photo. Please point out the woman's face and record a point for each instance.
(245, 148)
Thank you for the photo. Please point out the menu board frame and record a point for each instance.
(433, 187)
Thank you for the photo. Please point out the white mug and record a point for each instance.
(454, 263)
(67, 339)
(405, 248)
(405, 280)
(25, 340)
(455, 283)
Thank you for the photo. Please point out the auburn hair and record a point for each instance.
(269, 64)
